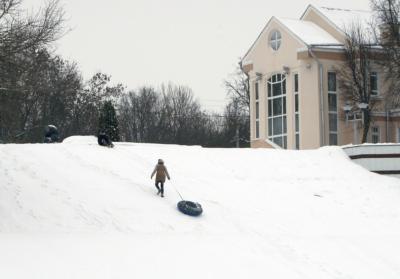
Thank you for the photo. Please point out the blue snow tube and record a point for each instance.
(190, 208)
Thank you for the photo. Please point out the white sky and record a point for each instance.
(194, 43)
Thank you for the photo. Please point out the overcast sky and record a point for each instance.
(190, 42)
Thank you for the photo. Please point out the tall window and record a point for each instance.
(376, 135)
(296, 110)
(277, 122)
(333, 112)
(257, 111)
(374, 83)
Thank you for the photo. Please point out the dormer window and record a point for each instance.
(275, 40)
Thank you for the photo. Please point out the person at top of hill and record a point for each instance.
(161, 172)
(104, 140)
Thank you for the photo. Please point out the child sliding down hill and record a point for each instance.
(161, 171)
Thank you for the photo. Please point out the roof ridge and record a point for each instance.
(283, 17)
(344, 10)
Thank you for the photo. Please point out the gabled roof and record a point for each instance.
(342, 19)
(305, 32)
(308, 32)
(311, 34)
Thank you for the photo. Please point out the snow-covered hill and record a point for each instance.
(78, 210)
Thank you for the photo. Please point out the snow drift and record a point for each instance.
(78, 210)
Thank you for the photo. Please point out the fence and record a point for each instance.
(378, 158)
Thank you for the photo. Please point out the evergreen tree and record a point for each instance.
(108, 122)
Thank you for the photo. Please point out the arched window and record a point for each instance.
(277, 117)
(275, 40)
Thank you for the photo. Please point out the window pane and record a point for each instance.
(278, 44)
(284, 125)
(284, 105)
(333, 122)
(296, 102)
(285, 142)
(332, 82)
(333, 139)
(277, 106)
(284, 87)
(270, 127)
(277, 129)
(374, 81)
(257, 129)
(256, 90)
(277, 89)
(297, 141)
(269, 107)
(296, 83)
(375, 134)
(274, 78)
(297, 122)
(257, 111)
(278, 141)
(269, 89)
(332, 101)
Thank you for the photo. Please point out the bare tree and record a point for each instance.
(238, 90)
(355, 77)
(24, 62)
(183, 113)
(169, 114)
(20, 32)
(238, 109)
(387, 14)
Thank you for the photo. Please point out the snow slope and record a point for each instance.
(78, 210)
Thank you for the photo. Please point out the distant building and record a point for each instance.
(295, 99)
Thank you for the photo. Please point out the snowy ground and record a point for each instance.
(78, 210)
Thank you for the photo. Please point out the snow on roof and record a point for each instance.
(344, 19)
(312, 34)
(309, 32)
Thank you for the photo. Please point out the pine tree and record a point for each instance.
(108, 122)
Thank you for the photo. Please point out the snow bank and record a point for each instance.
(81, 140)
(83, 211)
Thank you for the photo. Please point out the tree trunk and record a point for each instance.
(366, 124)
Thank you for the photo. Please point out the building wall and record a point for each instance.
(269, 62)
(293, 53)
(309, 99)
(389, 128)
(351, 133)
(395, 130)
